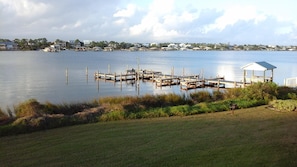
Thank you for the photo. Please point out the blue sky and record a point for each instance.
(270, 22)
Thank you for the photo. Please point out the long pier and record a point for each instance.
(186, 82)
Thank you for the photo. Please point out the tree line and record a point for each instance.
(41, 43)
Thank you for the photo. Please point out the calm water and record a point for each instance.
(40, 75)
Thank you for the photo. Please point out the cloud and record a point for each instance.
(25, 8)
(161, 21)
(128, 12)
(151, 20)
(233, 15)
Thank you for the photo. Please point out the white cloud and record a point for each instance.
(26, 8)
(231, 21)
(119, 21)
(77, 24)
(235, 14)
(128, 12)
(160, 21)
(284, 30)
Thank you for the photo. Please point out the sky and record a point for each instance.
(269, 22)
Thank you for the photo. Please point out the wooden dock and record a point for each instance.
(167, 80)
(186, 82)
(149, 74)
(191, 84)
(115, 77)
(221, 82)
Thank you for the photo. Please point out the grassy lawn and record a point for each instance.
(251, 137)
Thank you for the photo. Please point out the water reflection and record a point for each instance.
(68, 76)
(228, 72)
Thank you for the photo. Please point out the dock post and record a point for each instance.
(153, 76)
(138, 71)
(218, 84)
(66, 73)
(98, 85)
(87, 75)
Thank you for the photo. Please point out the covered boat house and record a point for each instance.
(258, 72)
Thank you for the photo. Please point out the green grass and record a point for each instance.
(251, 137)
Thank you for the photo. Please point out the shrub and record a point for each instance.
(203, 108)
(260, 91)
(284, 105)
(28, 108)
(233, 93)
(69, 108)
(112, 116)
(5, 118)
(177, 110)
(250, 103)
(2, 114)
(201, 96)
(292, 96)
(284, 92)
(50, 108)
(217, 95)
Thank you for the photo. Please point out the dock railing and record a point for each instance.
(291, 82)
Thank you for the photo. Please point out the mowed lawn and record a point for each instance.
(251, 137)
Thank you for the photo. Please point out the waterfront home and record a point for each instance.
(133, 48)
(96, 48)
(80, 48)
(52, 48)
(108, 49)
(8, 46)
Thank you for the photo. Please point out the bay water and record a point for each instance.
(42, 75)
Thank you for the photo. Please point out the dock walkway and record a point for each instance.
(186, 82)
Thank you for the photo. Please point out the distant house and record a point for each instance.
(133, 48)
(196, 48)
(8, 46)
(75, 43)
(87, 43)
(96, 48)
(62, 44)
(108, 49)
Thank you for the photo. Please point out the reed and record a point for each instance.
(32, 115)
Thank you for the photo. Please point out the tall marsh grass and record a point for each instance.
(32, 115)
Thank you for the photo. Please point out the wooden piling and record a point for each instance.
(66, 73)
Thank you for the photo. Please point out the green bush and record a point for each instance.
(292, 96)
(112, 116)
(201, 96)
(177, 110)
(217, 95)
(284, 105)
(249, 103)
(285, 92)
(233, 93)
(260, 91)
